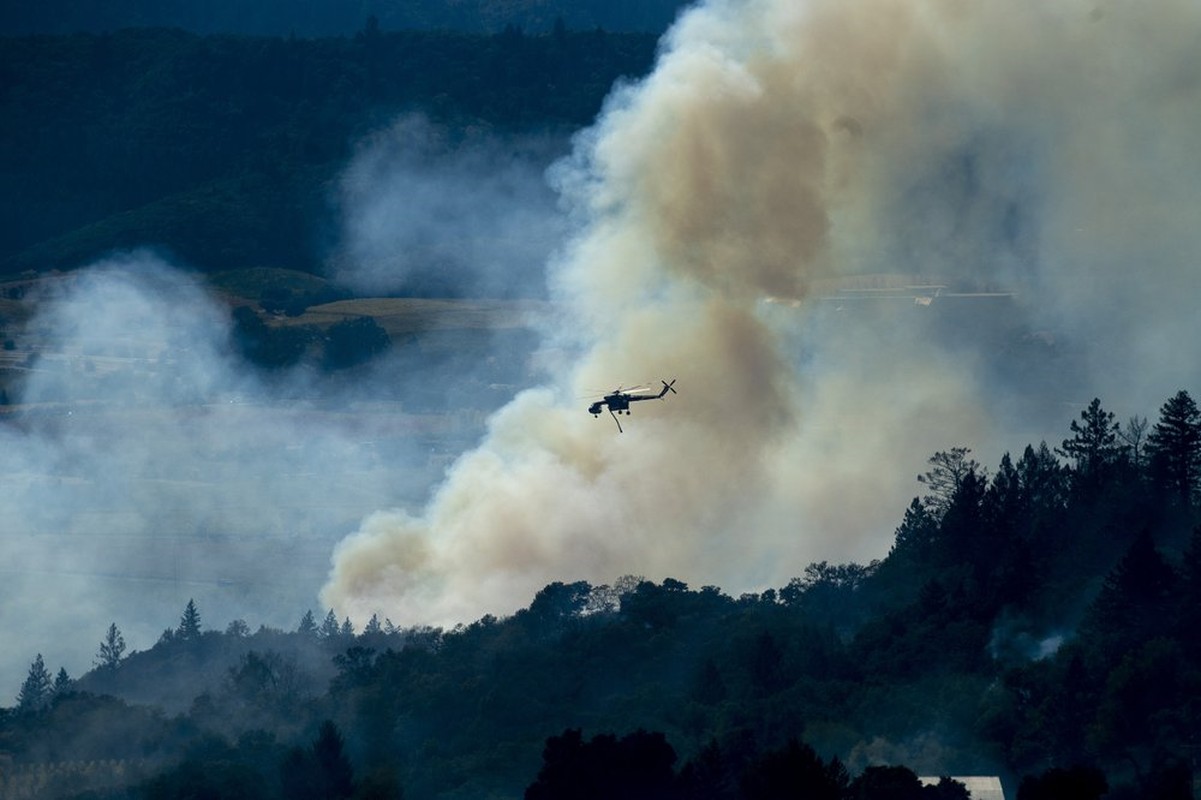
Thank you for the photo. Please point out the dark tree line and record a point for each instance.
(1037, 622)
(335, 17)
(221, 150)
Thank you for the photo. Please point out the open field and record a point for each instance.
(406, 315)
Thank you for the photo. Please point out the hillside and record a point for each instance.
(224, 152)
(1025, 621)
(333, 18)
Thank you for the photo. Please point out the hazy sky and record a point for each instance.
(778, 149)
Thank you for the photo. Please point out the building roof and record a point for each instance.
(980, 787)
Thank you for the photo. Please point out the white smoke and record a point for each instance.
(146, 466)
(782, 146)
(424, 213)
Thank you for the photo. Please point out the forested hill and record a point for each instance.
(335, 17)
(1037, 621)
(221, 149)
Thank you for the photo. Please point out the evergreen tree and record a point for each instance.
(112, 649)
(35, 691)
(917, 533)
(189, 623)
(330, 629)
(1043, 479)
(329, 751)
(1174, 448)
(373, 626)
(347, 628)
(1094, 446)
(1004, 500)
(62, 683)
(961, 539)
(308, 625)
(320, 772)
(1136, 600)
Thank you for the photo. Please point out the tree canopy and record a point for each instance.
(1033, 625)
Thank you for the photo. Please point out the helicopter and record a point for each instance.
(619, 400)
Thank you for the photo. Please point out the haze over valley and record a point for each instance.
(309, 325)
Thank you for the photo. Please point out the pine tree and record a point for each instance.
(347, 628)
(308, 625)
(62, 682)
(1042, 478)
(112, 649)
(329, 752)
(330, 627)
(917, 533)
(189, 623)
(1094, 446)
(35, 691)
(1136, 599)
(1174, 448)
(373, 626)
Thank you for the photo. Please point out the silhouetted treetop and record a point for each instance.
(1174, 448)
(189, 623)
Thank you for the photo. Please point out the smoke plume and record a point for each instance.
(429, 213)
(148, 466)
(784, 149)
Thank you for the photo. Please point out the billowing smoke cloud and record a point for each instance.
(436, 214)
(147, 466)
(778, 149)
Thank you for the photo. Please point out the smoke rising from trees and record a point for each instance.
(427, 215)
(148, 465)
(778, 149)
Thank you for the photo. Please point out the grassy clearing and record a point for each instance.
(405, 315)
(250, 283)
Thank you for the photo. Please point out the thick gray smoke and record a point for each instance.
(424, 213)
(148, 466)
(781, 149)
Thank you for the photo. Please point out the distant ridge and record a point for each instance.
(336, 17)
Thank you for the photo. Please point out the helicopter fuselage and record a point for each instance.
(619, 401)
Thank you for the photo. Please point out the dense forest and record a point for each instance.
(1036, 621)
(219, 149)
(336, 17)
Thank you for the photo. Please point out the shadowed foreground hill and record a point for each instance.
(1025, 622)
